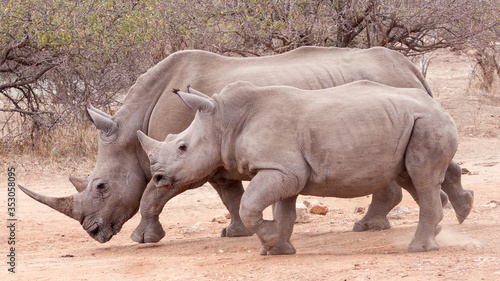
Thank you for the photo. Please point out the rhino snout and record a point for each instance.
(160, 179)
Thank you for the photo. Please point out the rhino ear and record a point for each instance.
(197, 100)
(102, 120)
(148, 144)
(195, 92)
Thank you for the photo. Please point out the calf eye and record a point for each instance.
(101, 186)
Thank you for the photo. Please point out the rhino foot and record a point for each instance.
(145, 232)
(463, 208)
(281, 248)
(234, 230)
(371, 224)
(425, 245)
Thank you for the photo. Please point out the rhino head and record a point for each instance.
(109, 196)
(190, 156)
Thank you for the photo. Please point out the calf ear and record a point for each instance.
(195, 92)
(195, 101)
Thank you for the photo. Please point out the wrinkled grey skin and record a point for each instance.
(348, 141)
(112, 192)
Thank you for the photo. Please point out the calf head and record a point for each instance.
(191, 155)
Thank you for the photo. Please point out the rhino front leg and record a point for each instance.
(266, 188)
(285, 214)
(382, 203)
(153, 200)
(230, 191)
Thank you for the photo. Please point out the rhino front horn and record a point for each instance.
(64, 205)
(147, 143)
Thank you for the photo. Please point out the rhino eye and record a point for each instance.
(101, 186)
(183, 147)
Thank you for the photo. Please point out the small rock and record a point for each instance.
(465, 171)
(492, 204)
(397, 211)
(359, 210)
(316, 207)
(302, 213)
(310, 202)
(319, 209)
(228, 216)
(220, 219)
(192, 229)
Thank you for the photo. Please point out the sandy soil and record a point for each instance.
(50, 246)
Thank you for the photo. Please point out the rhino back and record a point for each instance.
(305, 68)
(341, 136)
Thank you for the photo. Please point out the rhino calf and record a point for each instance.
(348, 141)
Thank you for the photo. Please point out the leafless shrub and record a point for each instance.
(56, 57)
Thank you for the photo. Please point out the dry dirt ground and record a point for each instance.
(50, 246)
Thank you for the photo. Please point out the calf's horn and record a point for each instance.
(147, 143)
(64, 205)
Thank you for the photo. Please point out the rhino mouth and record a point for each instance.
(101, 232)
(162, 180)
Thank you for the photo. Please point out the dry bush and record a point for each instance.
(52, 67)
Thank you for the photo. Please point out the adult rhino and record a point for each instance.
(121, 179)
(348, 141)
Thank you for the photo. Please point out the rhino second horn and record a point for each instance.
(80, 183)
(90, 107)
(102, 121)
(62, 204)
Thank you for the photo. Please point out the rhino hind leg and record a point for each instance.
(230, 192)
(382, 203)
(427, 158)
(461, 199)
(431, 213)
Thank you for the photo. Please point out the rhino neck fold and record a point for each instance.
(232, 122)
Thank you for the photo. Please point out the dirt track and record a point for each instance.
(51, 246)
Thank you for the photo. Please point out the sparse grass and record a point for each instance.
(69, 148)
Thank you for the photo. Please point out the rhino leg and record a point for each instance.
(285, 214)
(230, 191)
(452, 190)
(427, 158)
(461, 199)
(266, 188)
(153, 200)
(431, 213)
(382, 203)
